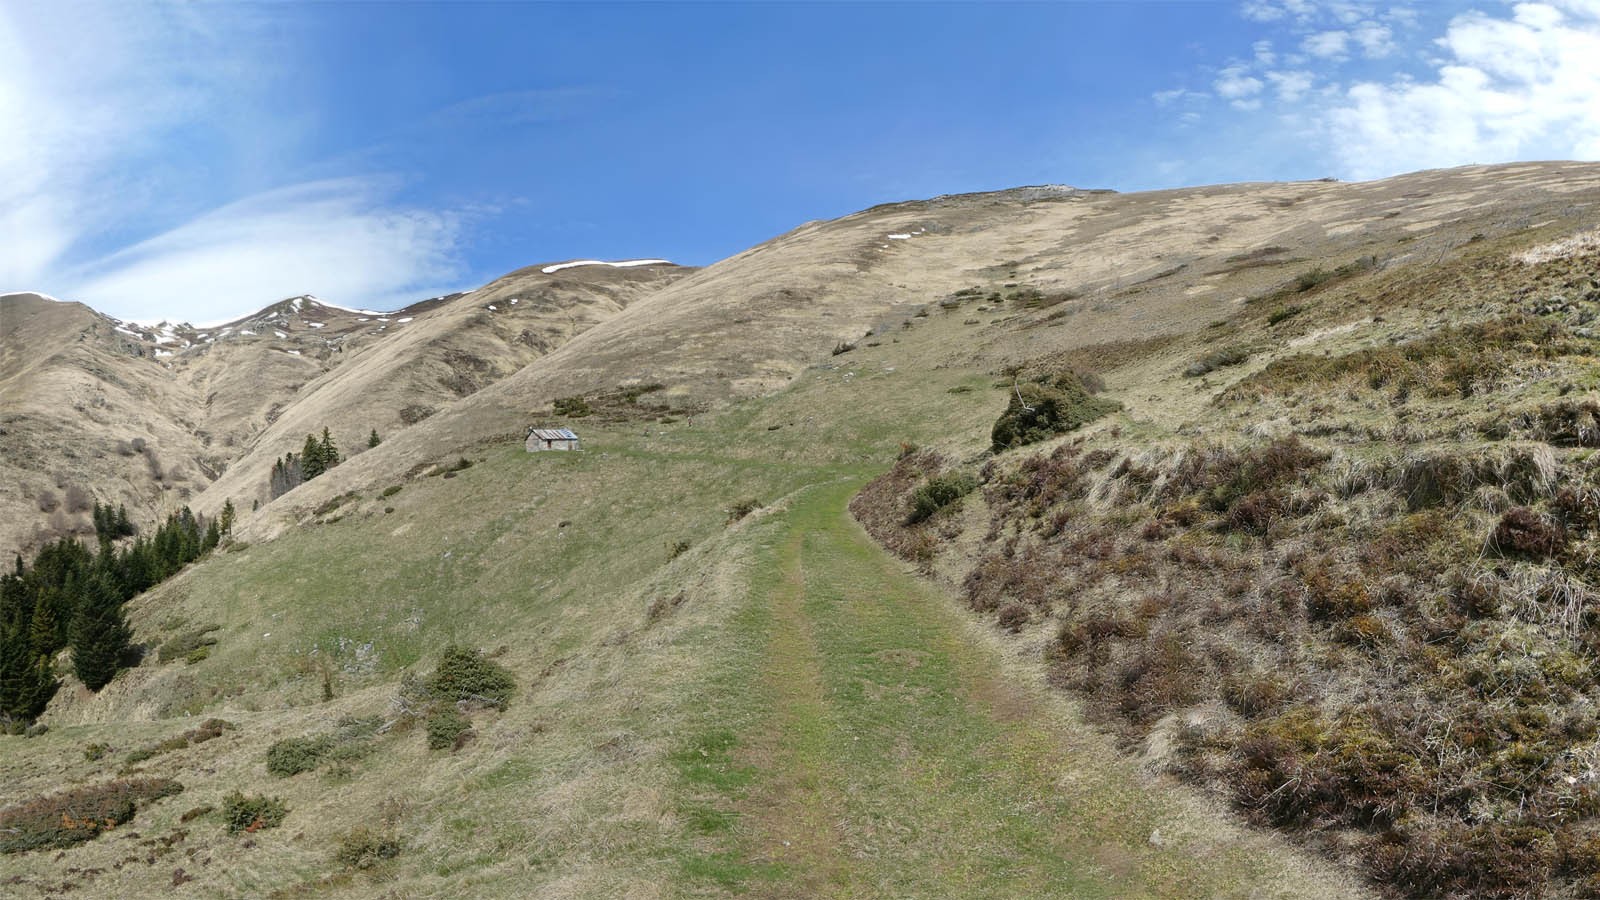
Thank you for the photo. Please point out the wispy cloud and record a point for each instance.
(151, 162)
(1381, 95)
(340, 239)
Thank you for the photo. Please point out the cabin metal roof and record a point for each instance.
(553, 434)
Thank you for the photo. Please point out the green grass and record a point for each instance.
(665, 755)
(858, 743)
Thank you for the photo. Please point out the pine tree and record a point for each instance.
(99, 634)
(122, 527)
(373, 440)
(330, 453)
(44, 630)
(311, 459)
(104, 522)
(225, 521)
(27, 682)
(213, 537)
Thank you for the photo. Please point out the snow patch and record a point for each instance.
(369, 312)
(490, 308)
(405, 320)
(627, 263)
(250, 333)
(41, 296)
(899, 237)
(280, 334)
(316, 324)
(514, 301)
(295, 352)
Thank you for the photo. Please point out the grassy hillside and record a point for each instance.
(1265, 578)
(685, 723)
(1354, 589)
(150, 416)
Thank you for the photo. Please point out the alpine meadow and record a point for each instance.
(414, 482)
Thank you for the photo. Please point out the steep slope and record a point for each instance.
(1044, 270)
(89, 413)
(150, 415)
(438, 352)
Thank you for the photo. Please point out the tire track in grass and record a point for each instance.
(888, 751)
(795, 815)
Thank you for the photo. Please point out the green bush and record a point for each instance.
(572, 407)
(465, 675)
(1039, 410)
(444, 726)
(391, 490)
(81, 814)
(210, 729)
(362, 847)
(938, 493)
(291, 756)
(96, 751)
(181, 646)
(1217, 359)
(251, 813)
(1284, 312)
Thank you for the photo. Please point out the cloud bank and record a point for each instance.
(1377, 94)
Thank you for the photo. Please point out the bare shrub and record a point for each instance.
(78, 500)
(1523, 532)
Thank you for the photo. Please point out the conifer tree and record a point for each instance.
(213, 537)
(27, 682)
(225, 521)
(104, 521)
(373, 440)
(330, 453)
(44, 629)
(312, 463)
(99, 634)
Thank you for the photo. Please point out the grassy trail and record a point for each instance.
(869, 743)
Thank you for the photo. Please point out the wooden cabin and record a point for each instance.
(551, 439)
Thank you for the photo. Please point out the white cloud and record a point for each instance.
(1234, 83)
(1517, 87)
(1263, 53)
(1327, 44)
(1377, 41)
(1277, 10)
(1291, 86)
(340, 239)
(101, 107)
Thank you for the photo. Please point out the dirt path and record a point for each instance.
(890, 749)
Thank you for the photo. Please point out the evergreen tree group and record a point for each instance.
(110, 524)
(317, 456)
(73, 597)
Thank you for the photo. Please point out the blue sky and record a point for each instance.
(199, 161)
